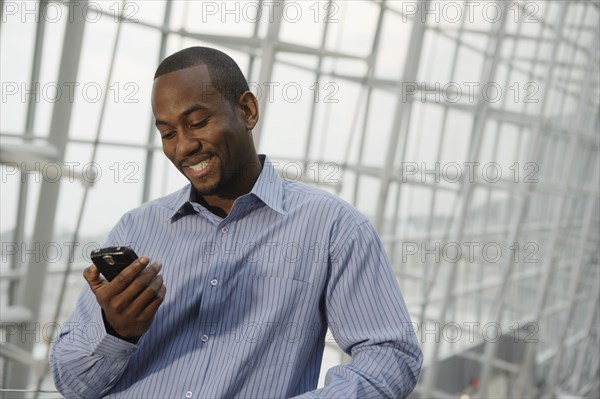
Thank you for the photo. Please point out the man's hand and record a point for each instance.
(131, 299)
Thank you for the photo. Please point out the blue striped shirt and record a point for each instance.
(249, 300)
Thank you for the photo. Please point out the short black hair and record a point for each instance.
(225, 74)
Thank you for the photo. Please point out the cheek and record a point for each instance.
(169, 151)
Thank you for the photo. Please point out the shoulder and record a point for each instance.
(162, 207)
(309, 199)
(345, 228)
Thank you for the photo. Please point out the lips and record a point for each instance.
(195, 160)
(198, 167)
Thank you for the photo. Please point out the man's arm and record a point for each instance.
(369, 321)
(86, 361)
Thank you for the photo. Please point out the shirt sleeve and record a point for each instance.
(85, 360)
(369, 320)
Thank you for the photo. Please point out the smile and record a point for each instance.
(199, 169)
(200, 166)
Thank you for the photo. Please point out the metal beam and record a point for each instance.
(577, 270)
(269, 48)
(151, 128)
(487, 74)
(402, 113)
(32, 287)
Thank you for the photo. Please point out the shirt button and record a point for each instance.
(204, 338)
(214, 282)
(188, 394)
(225, 229)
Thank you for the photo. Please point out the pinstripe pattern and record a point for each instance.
(249, 298)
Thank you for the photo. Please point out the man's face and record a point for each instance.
(206, 138)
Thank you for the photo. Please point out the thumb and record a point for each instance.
(92, 276)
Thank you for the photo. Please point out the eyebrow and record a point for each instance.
(187, 112)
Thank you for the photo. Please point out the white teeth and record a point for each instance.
(199, 166)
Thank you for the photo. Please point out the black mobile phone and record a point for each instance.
(112, 260)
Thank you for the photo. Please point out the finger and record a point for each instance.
(141, 282)
(92, 276)
(147, 296)
(150, 310)
(126, 277)
(125, 298)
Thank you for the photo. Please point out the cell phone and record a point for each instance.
(112, 260)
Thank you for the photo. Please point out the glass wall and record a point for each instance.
(467, 132)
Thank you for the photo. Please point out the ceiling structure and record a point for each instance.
(467, 132)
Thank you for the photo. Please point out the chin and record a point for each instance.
(206, 188)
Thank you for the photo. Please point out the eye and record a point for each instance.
(198, 125)
(167, 135)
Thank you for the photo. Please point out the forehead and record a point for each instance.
(176, 90)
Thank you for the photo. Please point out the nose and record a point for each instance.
(187, 144)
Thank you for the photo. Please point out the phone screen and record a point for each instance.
(112, 260)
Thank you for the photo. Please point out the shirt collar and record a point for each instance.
(268, 189)
(182, 204)
(269, 186)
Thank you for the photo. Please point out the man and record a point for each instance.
(254, 270)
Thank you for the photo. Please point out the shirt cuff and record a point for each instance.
(104, 344)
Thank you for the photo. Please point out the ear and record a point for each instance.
(248, 106)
